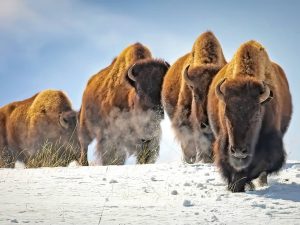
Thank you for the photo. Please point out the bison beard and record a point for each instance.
(130, 133)
(269, 157)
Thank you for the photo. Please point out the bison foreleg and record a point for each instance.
(263, 179)
(238, 182)
(84, 140)
(110, 154)
(7, 158)
(148, 151)
(269, 157)
(189, 151)
(273, 152)
(204, 149)
(83, 155)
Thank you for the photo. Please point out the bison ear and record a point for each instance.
(167, 64)
(67, 119)
(131, 76)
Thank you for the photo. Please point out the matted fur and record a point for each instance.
(118, 111)
(239, 119)
(26, 125)
(185, 102)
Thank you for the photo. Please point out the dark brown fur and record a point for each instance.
(120, 112)
(242, 125)
(26, 125)
(185, 99)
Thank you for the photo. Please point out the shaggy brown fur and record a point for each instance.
(185, 97)
(26, 125)
(123, 112)
(249, 112)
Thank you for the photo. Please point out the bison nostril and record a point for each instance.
(243, 150)
(203, 125)
(232, 150)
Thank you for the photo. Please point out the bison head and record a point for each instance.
(198, 80)
(147, 77)
(243, 101)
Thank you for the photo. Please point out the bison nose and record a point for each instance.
(239, 152)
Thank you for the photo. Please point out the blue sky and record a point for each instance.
(60, 44)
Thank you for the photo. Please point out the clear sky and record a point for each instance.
(59, 44)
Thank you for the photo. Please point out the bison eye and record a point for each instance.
(197, 97)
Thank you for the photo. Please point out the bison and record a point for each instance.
(184, 96)
(26, 126)
(122, 110)
(249, 109)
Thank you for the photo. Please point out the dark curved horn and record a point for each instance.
(63, 122)
(130, 74)
(186, 76)
(266, 94)
(167, 64)
(219, 93)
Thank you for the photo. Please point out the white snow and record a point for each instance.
(172, 193)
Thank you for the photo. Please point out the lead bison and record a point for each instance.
(121, 108)
(184, 96)
(26, 126)
(250, 108)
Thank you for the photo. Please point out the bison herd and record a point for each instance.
(232, 113)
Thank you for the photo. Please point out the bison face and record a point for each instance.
(243, 113)
(147, 77)
(68, 122)
(198, 80)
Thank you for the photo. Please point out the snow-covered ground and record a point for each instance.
(143, 194)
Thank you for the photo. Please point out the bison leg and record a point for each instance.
(269, 157)
(263, 179)
(83, 155)
(110, 154)
(238, 182)
(204, 151)
(148, 152)
(7, 158)
(189, 151)
(276, 155)
(84, 140)
(184, 133)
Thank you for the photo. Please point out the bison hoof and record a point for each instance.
(84, 162)
(190, 161)
(250, 187)
(207, 159)
(263, 179)
(236, 188)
